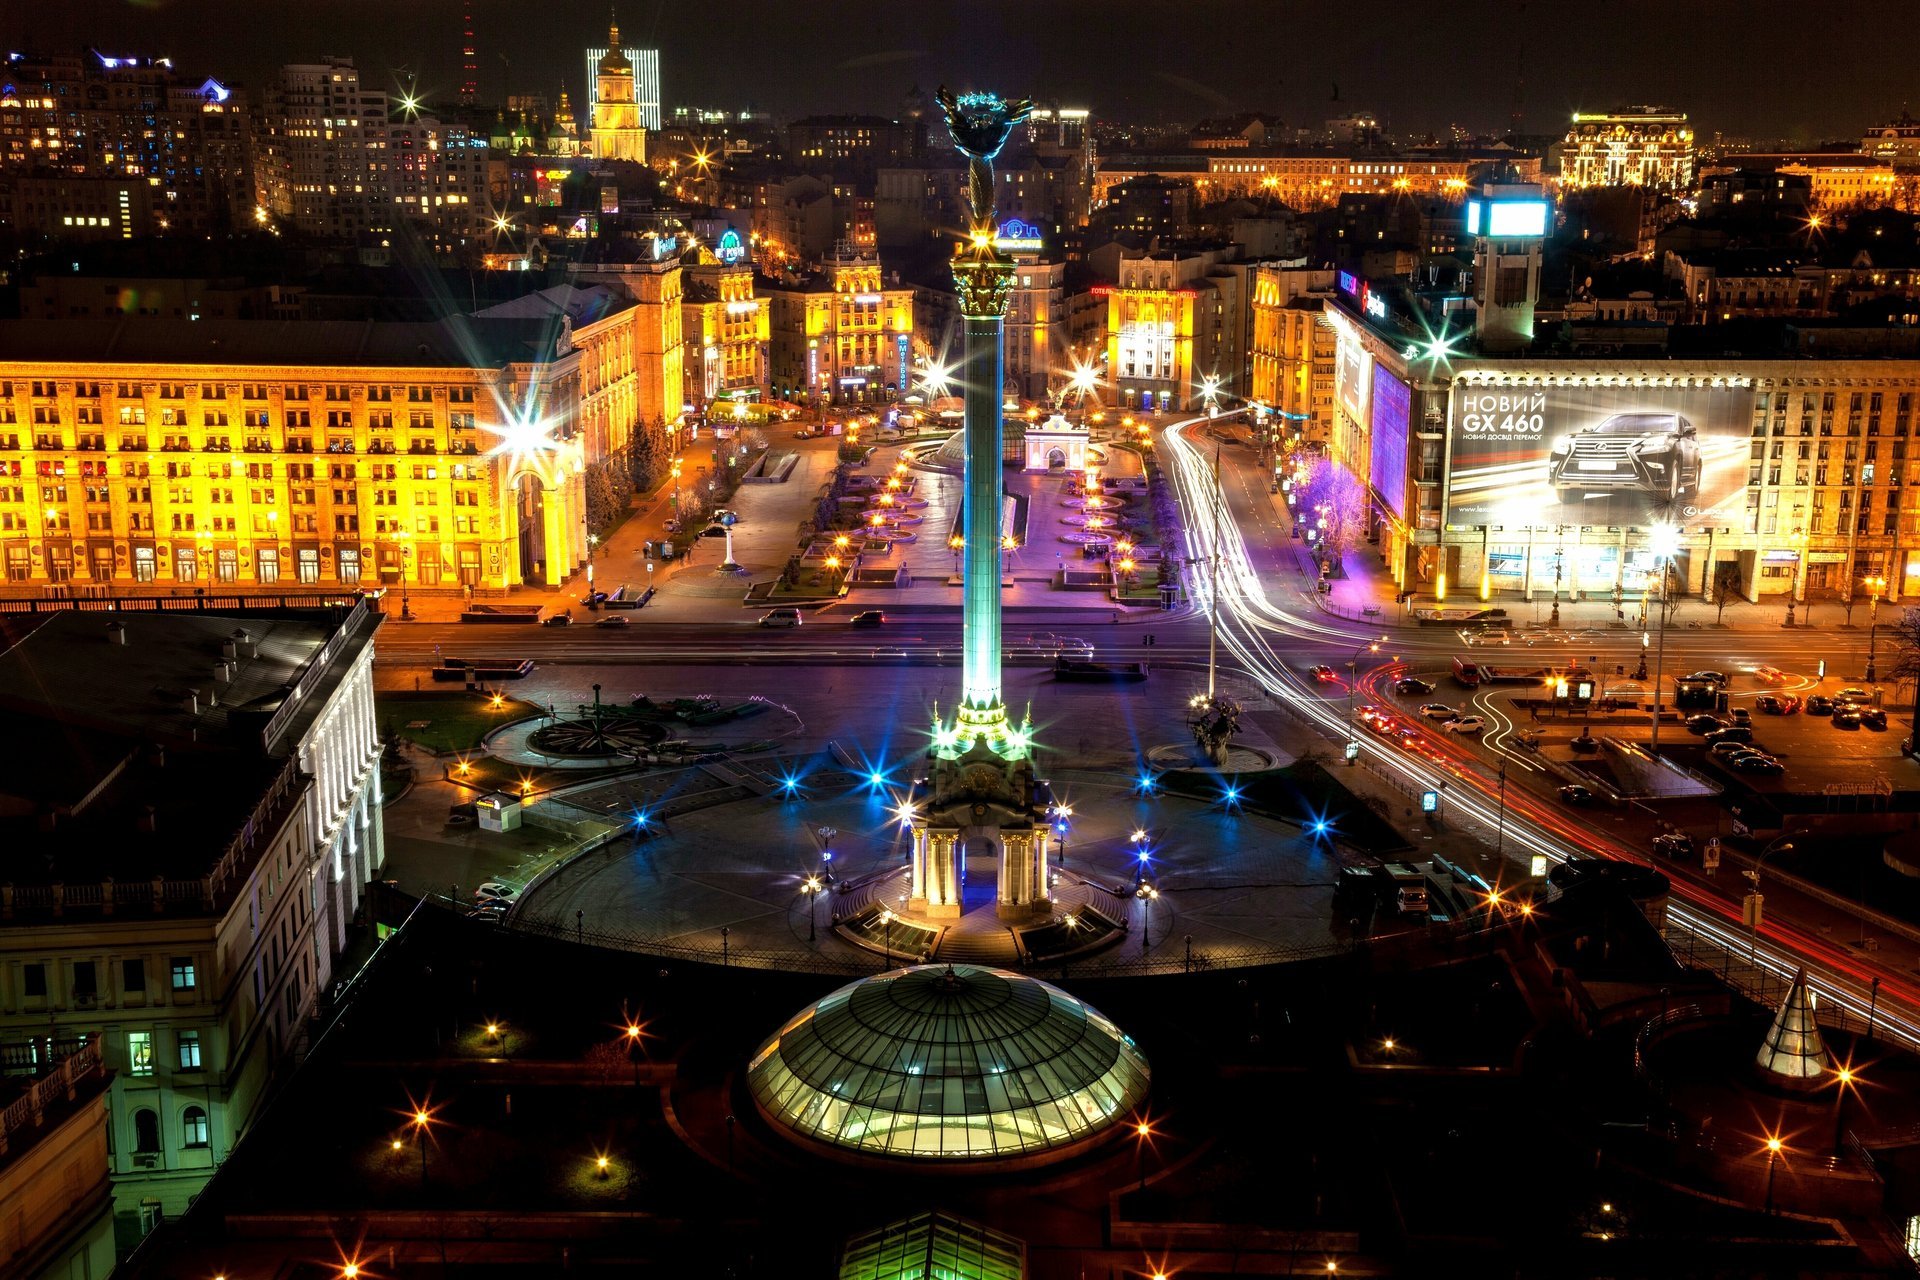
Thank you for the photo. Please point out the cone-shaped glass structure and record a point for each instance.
(1793, 1053)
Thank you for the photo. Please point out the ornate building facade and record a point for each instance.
(618, 131)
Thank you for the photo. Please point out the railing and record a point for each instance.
(358, 623)
(60, 1085)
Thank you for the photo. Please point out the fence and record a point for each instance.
(26, 1111)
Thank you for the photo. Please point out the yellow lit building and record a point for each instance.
(1310, 179)
(1292, 353)
(841, 336)
(1632, 147)
(167, 457)
(726, 332)
(617, 132)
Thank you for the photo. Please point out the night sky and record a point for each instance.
(1747, 67)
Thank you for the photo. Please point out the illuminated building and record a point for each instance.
(853, 144)
(55, 1196)
(1734, 284)
(105, 147)
(165, 457)
(1836, 181)
(626, 99)
(1632, 147)
(1897, 140)
(725, 326)
(657, 290)
(1307, 179)
(323, 151)
(1036, 325)
(437, 176)
(193, 802)
(1174, 321)
(841, 336)
(1291, 352)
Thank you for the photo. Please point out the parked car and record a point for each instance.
(1674, 845)
(1438, 711)
(1728, 750)
(1412, 685)
(1874, 718)
(1777, 704)
(1464, 724)
(496, 890)
(1732, 733)
(869, 618)
(558, 620)
(1819, 704)
(1740, 715)
(1647, 451)
(612, 620)
(1755, 762)
(1853, 693)
(672, 525)
(487, 913)
(1846, 717)
(1704, 724)
(1722, 678)
(1575, 794)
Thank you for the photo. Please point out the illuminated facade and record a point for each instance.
(165, 457)
(1835, 181)
(1175, 323)
(619, 130)
(1308, 179)
(1036, 325)
(1291, 357)
(324, 151)
(844, 336)
(198, 864)
(1632, 147)
(726, 331)
(657, 290)
(102, 147)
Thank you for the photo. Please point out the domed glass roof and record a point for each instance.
(948, 1062)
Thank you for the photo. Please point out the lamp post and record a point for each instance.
(1148, 896)
(1353, 676)
(886, 933)
(1753, 906)
(1774, 1146)
(812, 889)
(593, 540)
(1843, 1082)
(1665, 543)
(406, 571)
(1878, 584)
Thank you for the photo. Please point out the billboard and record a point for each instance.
(1605, 455)
(1350, 384)
(1387, 462)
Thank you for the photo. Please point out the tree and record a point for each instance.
(1906, 644)
(647, 455)
(1330, 494)
(1726, 589)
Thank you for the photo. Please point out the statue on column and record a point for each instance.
(980, 124)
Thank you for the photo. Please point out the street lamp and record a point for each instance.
(1353, 678)
(1753, 906)
(593, 540)
(1148, 896)
(1664, 541)
(1878, 584)
(1844, 1077)
(406, 566)
(812, 889)
(1774, 1148)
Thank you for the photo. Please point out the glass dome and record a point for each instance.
(949, 1062)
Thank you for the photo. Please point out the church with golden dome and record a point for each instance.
(617, 129)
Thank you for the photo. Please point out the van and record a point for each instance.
(1412, 899)
(780, 618)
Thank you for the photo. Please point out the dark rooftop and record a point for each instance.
(458, 342)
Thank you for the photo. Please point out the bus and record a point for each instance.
(1466, 673)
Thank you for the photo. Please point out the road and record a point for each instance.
(1254, 571)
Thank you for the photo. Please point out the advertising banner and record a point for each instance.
(1351, 383)
(1387, 459)
(1617, 456)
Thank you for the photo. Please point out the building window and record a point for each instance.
(143, 564)
(189, 1050)
(183, 977)
(133, 977)
(349, 564)
(226, 564)
(193, 1128)
(146, 1132)
(86, 986)
(140, 1053)
(34, 980)
(308, 563)
(186, 565)
(268, 567)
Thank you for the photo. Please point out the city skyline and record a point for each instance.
(761, 56)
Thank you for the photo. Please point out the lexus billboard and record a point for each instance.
(1599, 455)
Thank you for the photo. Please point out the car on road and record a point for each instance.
(1704, 724)
(1853, 693)
(1409, 686)
(495, 891)
(1549, 637)
(1728, 750)
(1721, 678)
(1645, 451)
(868, 618)
(1769, 675)
(1740, 715)
(1755, 762)
(1674, 845)
(612, 620)
(780, 618)
(1777, 704)
(1732, 733)
(1486, 635)
(488, 913)
(1575, 794)
(672, 525)
(558, 620)
(1464, 724)
(1323, 673)
(1819, 704)
(1874, 718)
(1846, 717)
(1438, 711)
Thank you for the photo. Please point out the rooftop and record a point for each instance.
(459, 342)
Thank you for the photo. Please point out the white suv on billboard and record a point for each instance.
(1646, 451)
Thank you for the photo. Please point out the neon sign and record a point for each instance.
(730, 250)
(1015, 236)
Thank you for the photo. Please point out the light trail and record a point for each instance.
(1249, 622)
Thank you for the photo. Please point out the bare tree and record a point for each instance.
(1726, 589)
(1332, 494)
(1906, 645)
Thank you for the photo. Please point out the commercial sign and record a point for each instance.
(1352, 370)
(1599, 455)
(1015, 236)
(1387, 460)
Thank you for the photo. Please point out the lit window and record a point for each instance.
(183, 976)
(194, 1130)
(189, 1050)
(140, 1053)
